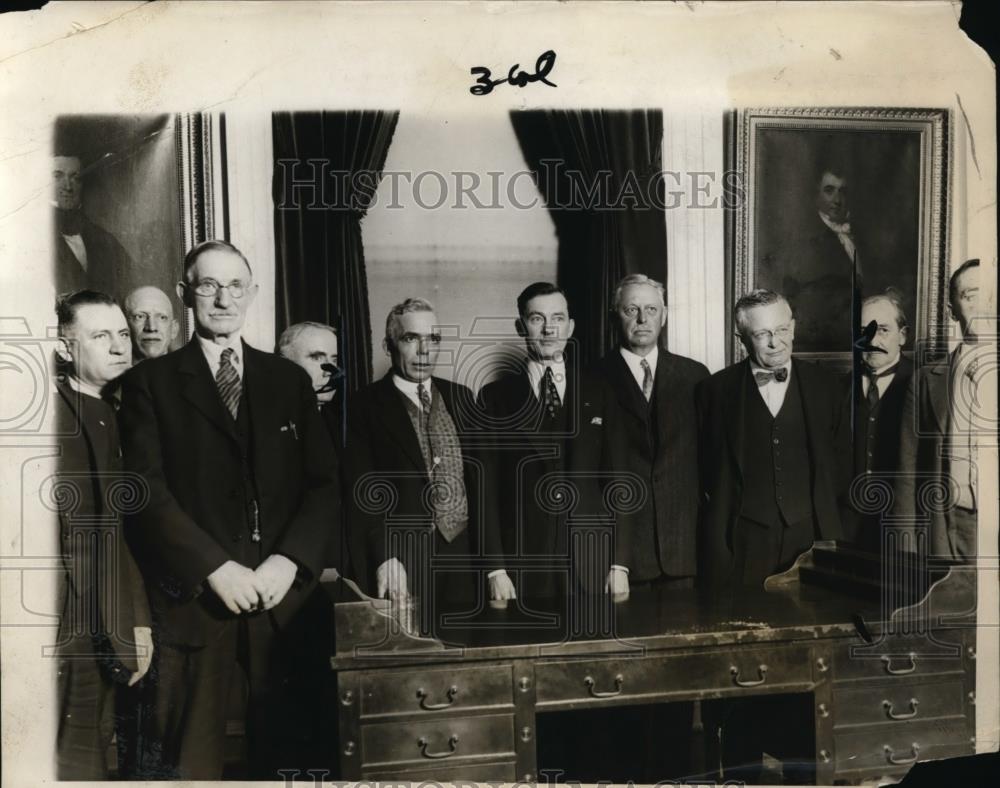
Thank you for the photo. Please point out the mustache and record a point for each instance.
(336, 374)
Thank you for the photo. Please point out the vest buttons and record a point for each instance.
(775, 441)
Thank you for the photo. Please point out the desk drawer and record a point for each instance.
(900, 658)
(898, 703)
(468, 772)
(489, 737)
(895, 746)
(713, 674)
(436, 692)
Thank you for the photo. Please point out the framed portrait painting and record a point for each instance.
(841, 204)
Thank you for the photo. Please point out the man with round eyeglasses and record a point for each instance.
(243, 499)
(770, 428)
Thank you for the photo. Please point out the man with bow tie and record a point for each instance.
(87, 255)
(532, 416)
(876, 397)
(770, 430)
(243, 499)
(950, 409)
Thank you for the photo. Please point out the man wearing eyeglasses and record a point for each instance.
(770, 430)
(407, 437)
(150, 314)
(242, 500)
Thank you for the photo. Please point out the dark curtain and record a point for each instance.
(327, 166)
(599, 173)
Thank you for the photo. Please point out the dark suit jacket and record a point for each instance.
(923, 451)
(887, 429)
(528, 453)
(385, 454)
(112, 616)
(108, 264)
(178, 435)
(720, 414)
(659, 536)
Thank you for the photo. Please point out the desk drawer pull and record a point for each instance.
(890, 756)
(761, 671)
(422, 743)
(908, 715)
(887, 661)
(619, 681)
(422, 695)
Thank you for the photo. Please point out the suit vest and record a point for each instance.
(777, 468)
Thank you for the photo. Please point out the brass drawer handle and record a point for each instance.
(887, 661)
(452, 748)
(909, 715)
(761, 671)
(890, 756)
(619, 681)
(422, 695)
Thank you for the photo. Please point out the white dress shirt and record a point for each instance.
(773, 392)
(634, 362)
(78, 248)
(883, 382)
(536, 370)
(409, 388)
(845, 237)
(213, 353)
(83, 387)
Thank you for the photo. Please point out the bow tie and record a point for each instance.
(68, 222)
(765, 376)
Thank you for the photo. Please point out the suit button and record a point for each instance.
(779, 499)
(777, 467)
(776, 441)
(871, 418)
(778, 483)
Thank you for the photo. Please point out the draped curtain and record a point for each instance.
(327, 166)
(598, 173)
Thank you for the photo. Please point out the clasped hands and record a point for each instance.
(242, 589)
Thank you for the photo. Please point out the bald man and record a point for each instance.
(150, 313)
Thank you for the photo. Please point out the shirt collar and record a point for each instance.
(634, 360)
(83, 387)
(837, 227)
(409, 388)
(213, 350)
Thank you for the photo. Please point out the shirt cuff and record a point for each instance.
(496, 572)
(619, 566)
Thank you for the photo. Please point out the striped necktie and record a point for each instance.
(228, 382)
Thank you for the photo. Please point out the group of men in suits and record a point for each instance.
(258, 476)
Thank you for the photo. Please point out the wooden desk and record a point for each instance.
(415, 709)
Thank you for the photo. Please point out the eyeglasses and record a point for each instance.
(209, 288)
(764, 335)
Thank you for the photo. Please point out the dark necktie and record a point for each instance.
(425, 404)
(765, 376)
(647, 379)
(228, 382)
(550, 394)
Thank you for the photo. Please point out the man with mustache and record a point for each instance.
(87, 255)
(150, 313)
(876, 399)
(243, 498)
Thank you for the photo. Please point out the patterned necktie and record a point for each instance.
(873, 395)
(425, 404)
(765, 376)
(550, 394)
(647, 380)
(228, 382)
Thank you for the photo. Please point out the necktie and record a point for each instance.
(425, 402)
(228, 382)
(550, 394)
(873, 395)
(647, 379)
(765, 376)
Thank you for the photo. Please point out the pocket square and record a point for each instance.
(597, 420)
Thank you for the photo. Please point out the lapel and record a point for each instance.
(734, 409)
(261, 394)
(939, 389)
(198, 387)
(389, 404)
(809, 396)
(897, 387)
(629, 394)
(666, 416)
